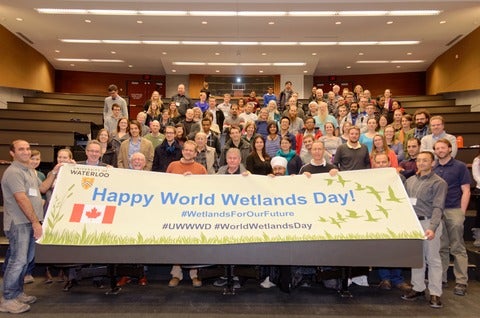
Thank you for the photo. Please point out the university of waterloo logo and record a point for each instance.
(87, 182)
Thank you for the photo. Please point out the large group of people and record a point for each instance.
(334, 131)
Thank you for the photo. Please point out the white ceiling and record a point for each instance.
(45, 30)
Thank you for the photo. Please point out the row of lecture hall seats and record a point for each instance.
(50, 121)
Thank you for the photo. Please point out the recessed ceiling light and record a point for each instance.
(204, 22)
(264, 53)
(389, 22)
(130, 66)
(164, 53)
(409, 53)
(19, 19)
(139, 21)
(338, 22)
(271, 23)
(217, 71)
(174, 71)
(72, 64)
(113, 52)
(314, 53)
(360, 53)
(57, 51)
(398, 66)
(305, 71)
(348, 66)
(88, 21)
(261, 71)
(216, 53)
(443, 22)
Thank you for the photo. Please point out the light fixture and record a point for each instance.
(189, 63)
(174, 71)
(389, 22)
(220, 13)
(204, 22)
(338, 22)
(122, 41)
(130, 66)
(139, 21)
(62, 59)
(88, 21)
(238, 43)
(348, 66)
(19, 19)
(271, 23)
(113, 52)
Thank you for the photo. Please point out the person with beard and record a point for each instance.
(421, 119)
(182, 101)
(457, 176)
(437, 125)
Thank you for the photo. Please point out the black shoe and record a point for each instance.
(69, 284)
(413, 295)
(435, 302)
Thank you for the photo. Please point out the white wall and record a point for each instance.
(466, 98)
(8, 94)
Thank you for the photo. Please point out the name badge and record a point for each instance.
(413, 201)
(32, 192)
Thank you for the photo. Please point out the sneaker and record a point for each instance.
(196, 282)
(404, 287)
(460, 289)
(222, 281)
(267, 283)
(385, 285)
(435, 302)
(174, 282)
(124, 280)
(413, 295)
(143, 281)
(13, 306)
(28, 279)
(26, 299)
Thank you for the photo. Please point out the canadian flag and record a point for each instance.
(89, 213)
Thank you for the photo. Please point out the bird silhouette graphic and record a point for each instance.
(321, 219)
(359, 187)
(341, 180)
(392, 197)
(383, 210)
(372, 190)
(335, 222)
(352, 214)
(329, 181)
(340, 218)
(370, 217)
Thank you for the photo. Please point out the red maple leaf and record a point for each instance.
(93, 214)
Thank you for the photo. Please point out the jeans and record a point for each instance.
(22, 251)
(452, 243)
(394, 275)
(432, 261)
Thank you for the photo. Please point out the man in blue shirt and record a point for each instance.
(457, 176)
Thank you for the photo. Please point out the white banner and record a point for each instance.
(109, 206)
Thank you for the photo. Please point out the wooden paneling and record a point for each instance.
(23, 67)
(457, 69)
(412, 83)
(97, 83)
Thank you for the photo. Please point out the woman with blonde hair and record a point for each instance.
(175, 116)
(155, 98)
(153, 113)
(393, 143)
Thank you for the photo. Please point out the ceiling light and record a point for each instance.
(204, 22)
(213, 13)
(314, 54)
(278, 43)
(162, 42)
(362, 13)
(106, 61)
(398, 42)
(318, 43)
(338, 22)
(360, 53)
(389, 22)
(174, 71)
(113, 12)
(238, 43)
(57, 51)
(221, 64)
(164, 13)
(443, 22)
(121, 41)
(261, 13)
(72, 64)
(409, 53)
(139, 21)
(88, 21)
(414, 12)
(217, 71)
(200, 42)
(254, 64)
(19, 19)
(312, 13)
(260, 71)
(113, 52)
(398, 66)
(373, 62)
(164, 53)
(407, 61)
(80, 41)
(61, 11)
(290, 64)
(189, 63)
(271, 23)
(130, 66)
(216, 53)
(305, 71)
(264, 53)
(61, 59)
(358, 43)
(348, 66)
